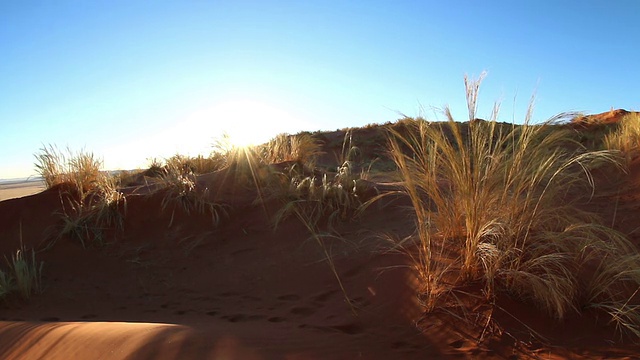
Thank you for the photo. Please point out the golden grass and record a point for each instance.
(301, 148)
(626, 138)
(196, 164)
(327, 199)
(86, 216)
(506, 197)
(81, 169)
(90, 199)
(179, 186)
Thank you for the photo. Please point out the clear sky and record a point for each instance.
(130, 80)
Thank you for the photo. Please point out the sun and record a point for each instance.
(253, 122)
(237, 121)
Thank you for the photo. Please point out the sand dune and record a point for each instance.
(19, 189)
(174, 285)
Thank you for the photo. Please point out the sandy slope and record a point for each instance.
(17, 190)
(242, 290)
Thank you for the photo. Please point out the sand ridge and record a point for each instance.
(173, 285)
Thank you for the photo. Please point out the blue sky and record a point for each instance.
(131, 80)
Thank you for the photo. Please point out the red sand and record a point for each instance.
(244, 291)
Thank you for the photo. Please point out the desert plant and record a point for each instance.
(24, 273)
(179, 188)
(197, 165)
(506, 196)
(626, 138)
(302, 148)
(50, 164)
(80, 169)
(155, 169)
(92, 202)
(6, 284)
(326, 199)
(27, 273)
(87, 215)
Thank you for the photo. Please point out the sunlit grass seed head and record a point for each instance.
(500, 195)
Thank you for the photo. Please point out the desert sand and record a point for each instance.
(175, 286)
(20, 189)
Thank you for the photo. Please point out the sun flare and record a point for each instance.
(249, 122)
(235, 121)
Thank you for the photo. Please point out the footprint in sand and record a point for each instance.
(181, 312)
(324, 296)
(457, 344)
(305, 311)
(276, 319)
(242, 317)
(291, 297)
(169, 304)
(350, 329)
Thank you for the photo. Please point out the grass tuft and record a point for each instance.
(626, 138)
(301, 148)
(24, 274)
(56, 167)
(179, 186)
(500, 203)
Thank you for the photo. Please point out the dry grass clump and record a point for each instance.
(626, 138)
(196, 164)
(301, 148)
(81, 169)
(499, 205)
(24, 274)
(91, 201)
(179, 188)
(324, 199)
(87, 216)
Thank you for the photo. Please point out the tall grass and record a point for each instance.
(24, 274)
(86, 216)
(301, 148)
(6, 284)
(179, 187)
(91, 202)
(27, 273)
(196, 164)
(498, 204)
(626, 138)
(327, 199)
(80, 169)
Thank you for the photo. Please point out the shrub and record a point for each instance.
(328, 198)
(80, 169)
(24, 274)
(179, 188)
(27, 273)
(91, 202)
(87, 215)
(302, 148)
(197, 165)
(506, 196)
